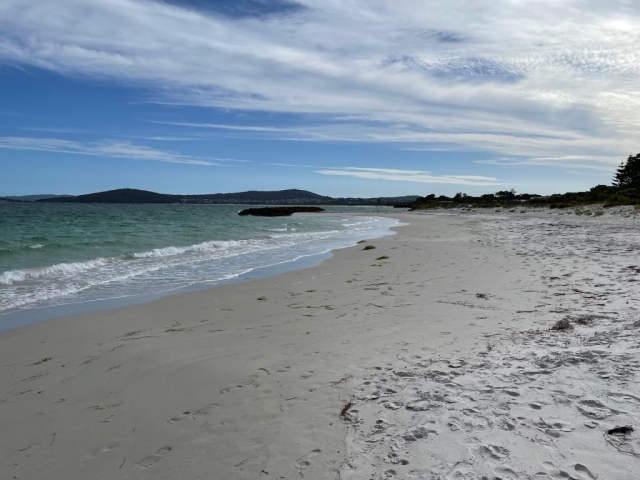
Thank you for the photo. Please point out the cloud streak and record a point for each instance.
(102, 149)
(415, 176)
(532, 79)
(586, 162)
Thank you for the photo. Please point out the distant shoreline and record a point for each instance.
(279, 197)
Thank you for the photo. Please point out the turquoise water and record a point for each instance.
(64, 254)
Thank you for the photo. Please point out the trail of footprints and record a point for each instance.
(300, 465)
(151, 460)
(193, 415)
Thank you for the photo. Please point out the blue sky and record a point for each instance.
(358, 98)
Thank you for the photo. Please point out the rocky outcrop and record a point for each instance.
(279, 211)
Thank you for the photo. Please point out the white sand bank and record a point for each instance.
(529, 405)
(248, 381)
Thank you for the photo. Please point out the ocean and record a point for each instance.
(64, 259)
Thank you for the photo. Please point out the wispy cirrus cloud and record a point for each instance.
(103, 149)
(549, 147)
(416, 176)
(503, 77)
(220, 126)
(606, 164)
(53, 130)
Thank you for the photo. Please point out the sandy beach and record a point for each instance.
(436, 346)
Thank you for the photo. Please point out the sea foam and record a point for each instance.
(12, 276)
(175, 267)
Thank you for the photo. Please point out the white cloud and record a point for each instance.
(102, 149)
(586, 162)
(528, 78)
(416, 176)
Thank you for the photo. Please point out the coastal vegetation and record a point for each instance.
(625, 190)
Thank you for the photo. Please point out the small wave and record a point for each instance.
(305, 235)
(12, 276)
(36, 246)
(199, 247)
(137, 272)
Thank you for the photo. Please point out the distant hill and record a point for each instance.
(376, 200)
(131, 195)
(34, 198)
(7, 200)
(123, 195)
(281, 197)
(257, 197)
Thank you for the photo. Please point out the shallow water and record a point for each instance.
(65, 254)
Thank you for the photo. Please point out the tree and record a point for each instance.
(459, 197)
(506, 194)
(628, 174)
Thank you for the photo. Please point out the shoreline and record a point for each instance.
(44, 314)
(24, 317)
(248, 380)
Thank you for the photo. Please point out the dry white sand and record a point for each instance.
(249, 380)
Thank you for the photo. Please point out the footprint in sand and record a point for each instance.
(595, 409)
(554, 428)
(93, 453)
(193, 415)
(506, 472)
(556, 473)
(301, 464)
(230, 389)
(512, 392)
(469, 424)
(579, 468)
(251, 383)
(307, 375)
(507, 423)
(151, 460)
(495, 452)
(561, 399)
(460, 470)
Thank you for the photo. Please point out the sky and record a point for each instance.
(340, 97)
